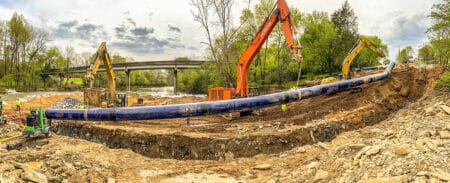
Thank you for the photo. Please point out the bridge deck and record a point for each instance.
(143, 65)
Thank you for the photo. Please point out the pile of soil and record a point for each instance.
(44, 101)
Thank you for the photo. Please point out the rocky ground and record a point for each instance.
(411, 145)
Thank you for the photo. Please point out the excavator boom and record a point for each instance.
(363, 42)
(102, 56)
(282, 15)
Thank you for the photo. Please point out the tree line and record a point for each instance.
(437, 50)
(25, 56)
(326, 40)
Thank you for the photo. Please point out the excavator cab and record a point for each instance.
(220, 93)
(121, 100)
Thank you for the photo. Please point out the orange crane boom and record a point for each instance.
(280, 14)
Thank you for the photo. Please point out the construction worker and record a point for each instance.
(81, 106)
(283, 107)
(18, 105)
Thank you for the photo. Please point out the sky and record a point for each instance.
(164, 30)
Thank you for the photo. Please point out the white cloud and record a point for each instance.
(398, 23)
(154, 29)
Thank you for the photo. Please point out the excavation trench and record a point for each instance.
(273, 131)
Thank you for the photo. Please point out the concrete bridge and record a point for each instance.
(141, 65)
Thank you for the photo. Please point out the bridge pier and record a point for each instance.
(128, 79)
(175, 81)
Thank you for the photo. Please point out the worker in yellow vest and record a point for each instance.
(18, 105)
(81, 106)
(283, 107)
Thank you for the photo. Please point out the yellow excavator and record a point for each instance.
(99, 97)
(363, 42)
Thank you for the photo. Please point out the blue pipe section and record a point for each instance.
(203, 108)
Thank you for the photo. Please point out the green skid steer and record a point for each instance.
(35, 124)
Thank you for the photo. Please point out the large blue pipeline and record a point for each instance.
(204, 108)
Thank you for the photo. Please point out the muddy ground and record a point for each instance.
(395, 130)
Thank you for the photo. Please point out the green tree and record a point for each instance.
(426, 54)
(262, 11)
(116, 58)
(3, 47)
(367, 57)
(319, 50)
(440, 30)
(271, 62)
(53, 59)
(347, 25)
(19, 36)
(405, 55)
(121, 76)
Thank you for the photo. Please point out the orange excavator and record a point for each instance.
(280, 14)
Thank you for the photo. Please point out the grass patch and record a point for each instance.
(444, 81)
(77, 81)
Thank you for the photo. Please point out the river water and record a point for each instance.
(12, 95)
(165, 91)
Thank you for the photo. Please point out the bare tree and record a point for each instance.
(33, 49)
(86, 56)
(202, 15)
(39, 39)
(223, 10)
(222, 15)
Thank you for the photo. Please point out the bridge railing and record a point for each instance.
(142, 65)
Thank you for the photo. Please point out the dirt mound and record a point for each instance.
(307, 121)
(44, 101)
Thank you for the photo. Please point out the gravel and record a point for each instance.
(67, 103)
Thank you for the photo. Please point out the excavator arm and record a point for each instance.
(102, 55)
(280, 14)
(363, 42)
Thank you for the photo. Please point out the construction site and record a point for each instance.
(383, 123)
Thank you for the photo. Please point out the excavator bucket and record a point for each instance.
(94, 96)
